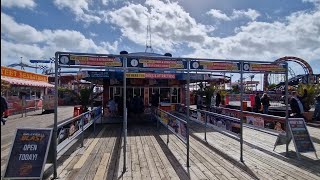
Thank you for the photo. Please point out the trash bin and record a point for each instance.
(77, 110)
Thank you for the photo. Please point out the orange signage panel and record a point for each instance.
(14, 73)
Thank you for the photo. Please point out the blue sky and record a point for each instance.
(232, 29)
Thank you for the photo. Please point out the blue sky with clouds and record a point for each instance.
(233, 29)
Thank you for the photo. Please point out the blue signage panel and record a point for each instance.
(98, 74)
(28, 154)
(40, 61)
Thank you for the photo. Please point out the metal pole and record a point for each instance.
(188, 108)
(124, 114)
(241, 114)
(205, 127)
(287, 110)
(168, 130)
(55, 126)
(82, 134)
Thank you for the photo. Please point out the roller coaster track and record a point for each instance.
(306, 67)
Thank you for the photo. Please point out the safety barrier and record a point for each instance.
(72, 128)
(173, 123)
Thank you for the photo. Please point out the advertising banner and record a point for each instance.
(157, 63)
(90, 60)
(209, 65)
(150, 76)
(28, 154)
(15, 73)
(281, 68)
(255, 119)
(224, 122)
(71, 129)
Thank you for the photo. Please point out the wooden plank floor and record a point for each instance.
(34, 119)
(259, 158)
(148, 157)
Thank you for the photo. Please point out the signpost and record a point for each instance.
(28, 153)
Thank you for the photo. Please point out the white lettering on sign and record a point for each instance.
(28, 157)
(30, 147)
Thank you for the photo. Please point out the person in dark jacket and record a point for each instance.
(218, 99)
(155, 100)
(265, 101)
(257, 103)
(296, 105)
(4, 107)
(316, 114)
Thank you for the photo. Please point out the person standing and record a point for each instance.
(265, 101)
(257, 103)
(213, 101)
(218, 99)
(199, 101)
(4, 107)
(316, 114)
(296, 105)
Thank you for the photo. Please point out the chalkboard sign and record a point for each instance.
(300, 135)
(28, 153)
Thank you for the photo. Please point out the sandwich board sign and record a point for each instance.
(301, 137)
(298, 132)
(28, 153)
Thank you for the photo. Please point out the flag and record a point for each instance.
(43, 67)
(52, 60)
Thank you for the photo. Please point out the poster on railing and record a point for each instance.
(177, 127)
(224, 122)
(71, 127)
(255, 119)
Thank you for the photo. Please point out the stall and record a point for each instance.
(26, 89)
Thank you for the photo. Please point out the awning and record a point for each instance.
(24, 82)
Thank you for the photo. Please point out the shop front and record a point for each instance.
(26, 90)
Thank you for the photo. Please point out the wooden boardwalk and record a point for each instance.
(149, 156)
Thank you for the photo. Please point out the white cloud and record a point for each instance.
(19, 3)
(250, 13)
(17, 32)
(298, 35)
(170, 24)
(218, 15)
(81, 9)
(41, 43)
(236, 14)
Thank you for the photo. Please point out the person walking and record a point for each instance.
(257, 103)
(4, 107)
(296, 106)
(265, 101)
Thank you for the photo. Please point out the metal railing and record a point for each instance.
(173, 123)
(229, 126)
(72, 128)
